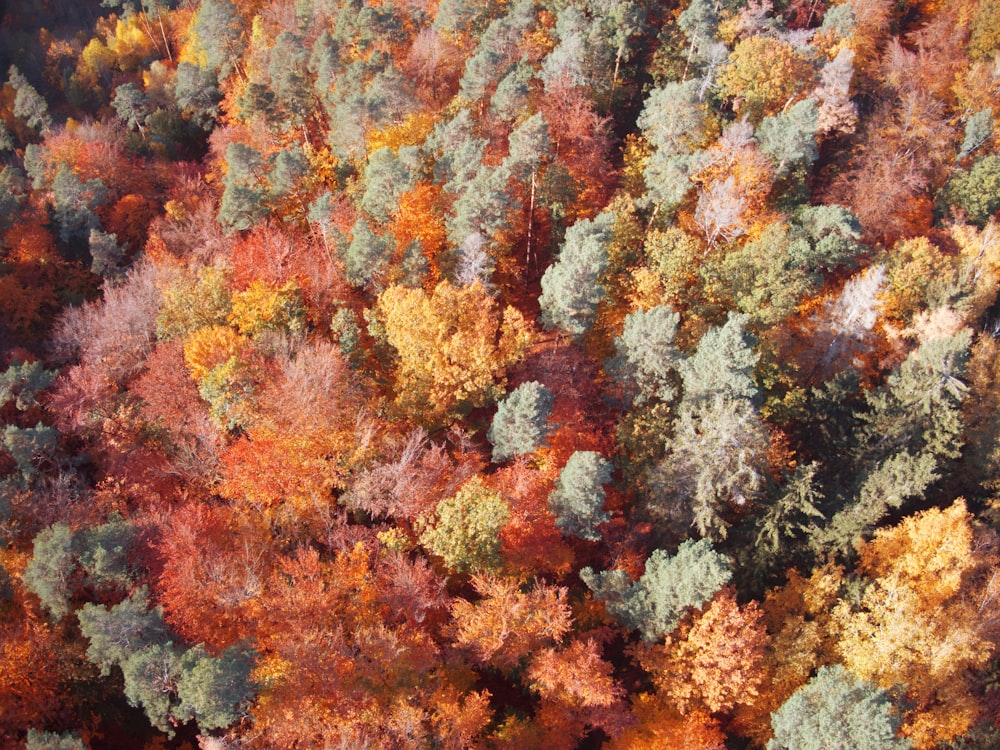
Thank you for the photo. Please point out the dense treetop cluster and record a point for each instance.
(500, 374)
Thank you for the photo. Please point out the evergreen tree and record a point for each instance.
(214, 690)
(287, 66)
(836, 710)
(29, 105)
(117, 632)
(578, 498)
(51, 741)
(669, 586)
(789, 137)
(132, 106)
(22, 382)
(646, 356)
(29, 444)
(219, 32)
(366, 254)
(49, 572)
(106, 255)
(716, 464)
(723, 364)
(197, 93)
(74, 203)
(521, 421)
(244, 198)
(571, 288)
(386, 178)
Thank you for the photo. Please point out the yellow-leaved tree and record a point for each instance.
(924, 619)
(453, 345)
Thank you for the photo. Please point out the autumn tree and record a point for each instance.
(765, 73)
(714, 662)
(464, 529)
(511, 621)
(453, 347)
(922, 620)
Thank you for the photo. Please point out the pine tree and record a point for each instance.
(578, 498)
(521, 421)
(571, 288)
(669, 586)
(723, 364)
(836, 710)
(646, 356)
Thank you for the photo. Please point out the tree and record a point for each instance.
(286, 68)
(578, 498)
(923, 618)
(106, 255)
(132, 106)
(646, 355)
(837, 113)
(715, 464)
(187, 305)
(913, 425)
(789, 137)
(51, 741)
(22, 382)
(510, 622)
(28, 103)
(453, 347)
(464, 529)
(836, 710)
(978, 129)
(521, 421)
(716, 661)
(215, 690)
(244, 197)
(116, 632)
(975, 191)
(262, 307)
(74, 202)
(723, 364)
(571, 288)
(48, 575)
(669, 586)
(28, 445)
(217, 36)
(386, 178)
(197, 93)
(765, 73)
(674, 121)
(366, 255)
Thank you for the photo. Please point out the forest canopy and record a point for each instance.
(499, 374)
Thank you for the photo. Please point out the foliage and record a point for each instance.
(571, 287)
(578, 498)
(453, 347)
(669, 586)
(836, 709)
(464, 529)
(270, 379)
(521, 422)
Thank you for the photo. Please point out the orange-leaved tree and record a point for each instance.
(926, 619)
